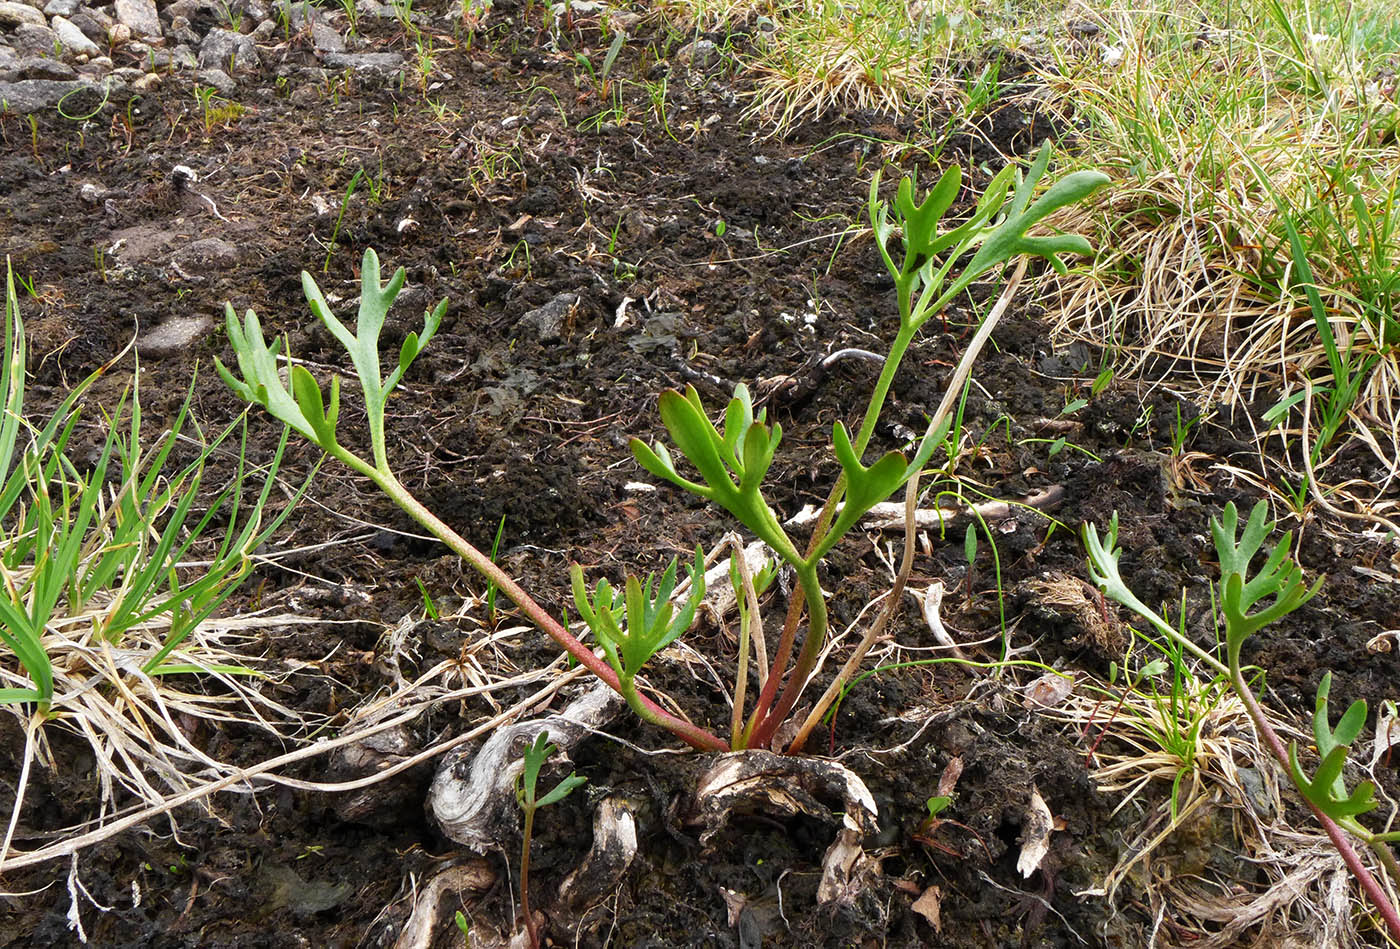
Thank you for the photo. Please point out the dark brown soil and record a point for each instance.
(520, 189)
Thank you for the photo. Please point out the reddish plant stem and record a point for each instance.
(531, 931)
(1373, 890)
(775, 671)
(687, 732)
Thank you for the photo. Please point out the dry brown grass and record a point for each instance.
(1214, 132)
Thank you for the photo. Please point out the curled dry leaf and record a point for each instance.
(1036, 827)
(931, 602)
(472, 877)
(750, 782)
(1049, 690)
(1383, 641)
(473, 795)
(1387, 733)
(929, 905)
(948, 780)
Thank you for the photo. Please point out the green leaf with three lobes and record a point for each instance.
(536, 754)
(921, 220)
(1009, 239)
(261, 383)
(867, 487)
(304, 407)
(651, 620)
(1321, 788)
(1327, 788)
(1279, 577)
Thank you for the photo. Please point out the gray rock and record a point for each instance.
(219, 79)
(365, 62)
(388, 11)
(174, 335)
(35, 95)
(142, 243)
(182, 57)
(140, 15)
(34, 40)
(224, 48)
(61, 7)
(74, 39)
(297, 14)
(326, 38)
(205, 257)
(93, 22)
(548, 321)
(189, 9)
(9, 61)
(127, 74)
(14, 14)
(93, 193)
(698, 55)
(41, 67)
(118, 33)
(181, 32)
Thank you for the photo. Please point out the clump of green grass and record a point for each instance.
(111, 568)
(1251, 247)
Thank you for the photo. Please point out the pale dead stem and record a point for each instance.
(388, 713)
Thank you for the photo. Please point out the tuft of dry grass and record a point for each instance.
(1189, 763)
(1225, 128)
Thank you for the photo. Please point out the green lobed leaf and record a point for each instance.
(562, 790)
(414, 344)
(921, 220)
(695, 436)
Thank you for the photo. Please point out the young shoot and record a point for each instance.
(536, 754)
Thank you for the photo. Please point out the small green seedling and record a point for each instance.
(430, 609)
(970, 553)
(491, 587)
(536, 755)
